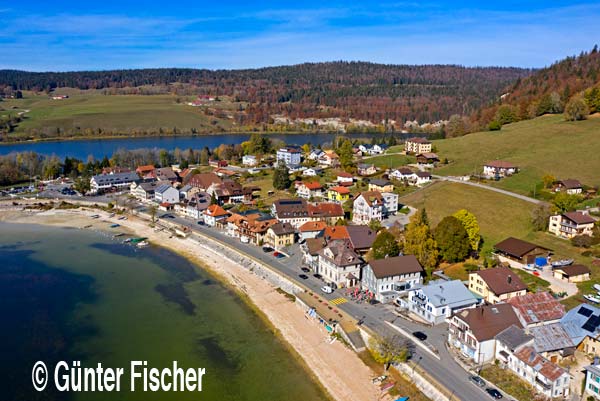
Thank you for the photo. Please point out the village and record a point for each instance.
(326, 233)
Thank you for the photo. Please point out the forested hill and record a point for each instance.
(360, 90)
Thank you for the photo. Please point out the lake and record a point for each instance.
(71, 294)
(98, 148)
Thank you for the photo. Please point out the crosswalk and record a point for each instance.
(339, 301)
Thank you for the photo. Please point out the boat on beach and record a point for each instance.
(597, 287)
(562, 263)
(118, 235)
(95, 216)
(137, 240)
(115, 225)
(127, 240)
(122, 218)
(142, 244)
(592, 299)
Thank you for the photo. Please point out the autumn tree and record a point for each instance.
(152, 210)
(419, 241)
(385, 245)
(388, 350)
(452, 239)
(469, 222)
(565, 202)
(548, 180)
(540, 216)
(344, 151)
(576, 109)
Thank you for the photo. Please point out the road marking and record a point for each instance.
(339, 301)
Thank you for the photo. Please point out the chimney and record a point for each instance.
(509, 279)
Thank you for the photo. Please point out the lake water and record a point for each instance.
(70, 294)
(98, 148)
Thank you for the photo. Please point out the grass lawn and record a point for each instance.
(534, 283)
(390, 161)
(508, 382)
(545, 145)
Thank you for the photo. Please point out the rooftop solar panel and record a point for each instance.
(585, 311)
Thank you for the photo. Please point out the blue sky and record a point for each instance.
(74, 35)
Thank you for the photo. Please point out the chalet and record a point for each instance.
(338, 194)
(410, 177)
(387, 278)
(146, 171)
(417, 146)
(230, 192)
(194, 205)
(570, 186)
(378, 148)
(427, 158)
(339, 264)
(473, 331)
(518, 252)
(312, 172)
(592, 380)
(280, 235)
(315, 154)
(345, 179)
(368, 206)
(572, 273)
(328, 212)
(497, 284)
(381, 185)
(402, 174)
(537, 309)
(329, 159)
(249, 160)
(497, 169)
(166, 174)
(289, 156)
(364, 148)
(106, 182)
(214, 214)
(439, 299)
(571, 224)
(251, 224)
(309, 190)
(311, 229)
(366, 169)
(166, 193)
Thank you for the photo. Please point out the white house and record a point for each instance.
(103, 182)
(417, 146)
(390, 203)
(367, 206)
(571, 224)
(249, 160)
(570, 186)
(144, 191)
(387, 278)
(214, 214)
(309, 190)
(546, 377)
(592, 379)
(345, 179)
(289, 156)
(312, 172)
(378, 149)
(499, 169)
(439, 299)
(166, 193)
(194, 206)
(339, 264)
(315, 154)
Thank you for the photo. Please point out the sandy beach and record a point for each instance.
(339, 370)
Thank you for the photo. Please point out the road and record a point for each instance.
(490, 188)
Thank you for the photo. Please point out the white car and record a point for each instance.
(327, 289)
(244, 239)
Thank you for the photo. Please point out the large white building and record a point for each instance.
(373, 205)
(166, 193)
(289, 156)
(387, 278)
(104, 182)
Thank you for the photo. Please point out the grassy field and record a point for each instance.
(390, 161)
(121, 113)
(545, 145)
(508, 382)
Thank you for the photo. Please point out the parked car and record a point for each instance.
(494, 393)
(317, 275)
(279, 255)
(200, 223)
(327, 289)
(303, 276)
(477, 380)
(244, 239)
(267, 249)
(420, 335)
(305, 269)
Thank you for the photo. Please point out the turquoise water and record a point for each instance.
(69, 294)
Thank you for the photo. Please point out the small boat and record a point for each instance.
(95, 216)
(142, 244)
(115, 225)
(127, 240)
(387, 386)
(596, 287)
(118, 235)
(592, 299)
(562, 263)
(123, 218)
(139, 239)
(111, 215)
(88, 226)
(529, 268)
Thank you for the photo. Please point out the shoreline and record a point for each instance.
(334, 367)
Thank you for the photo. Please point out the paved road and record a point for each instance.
(490, 188)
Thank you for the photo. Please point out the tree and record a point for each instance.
(82, 185)
(548, 180)
(540, 216)
(385, 245)
(469, 222)
(345, 154)
(388, 350)
(494, 125)
(452, 239)
(565, 202)
(375, 225)
(153, 210)
(582, 241)
(506, 114)
(281, 177)
(576, 109)
(419, 241)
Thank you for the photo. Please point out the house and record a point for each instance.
(367, 206)
(381, 185)
(214, 214)
(365, 148)
(187, 191)
(366, 169)
(312, 172)
(166, 174)
(497, 284)
(329, 159)
(410, 177)
(194, 205)
(165, 193)
(422, 178)
(387, 278)
(544, 376)
(582, 324)
(251, 224)
(517, 252)
(439, 299)
(289, 156)
(572, 273)
(571, 224)
(229, 191)
(310, 252)
(225, 172)
(508, 341)
(378, 148)
(473, 331)
(106, 182)
(338, 194)
(345, 179)
(308, 190)
(144, 191)
(537, 309)
(217, 163)
(293, 211)
(328, 212)
(339, 264)
(361, 237)
(203, 181)
(295, 168)
(311, 229)
(417, 146)
(592, 380)
(146, 171)
(280, 235)
(390, 203)
(249, 160)
(570, 186)
(427, 158)
(497, 169)
(315, 154)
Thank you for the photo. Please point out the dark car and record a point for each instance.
(477, 380)
(305, 269)
(420, 335)
(317, 275)
(267, 249)
(200, 223)
(303, 276)
(493, 393)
